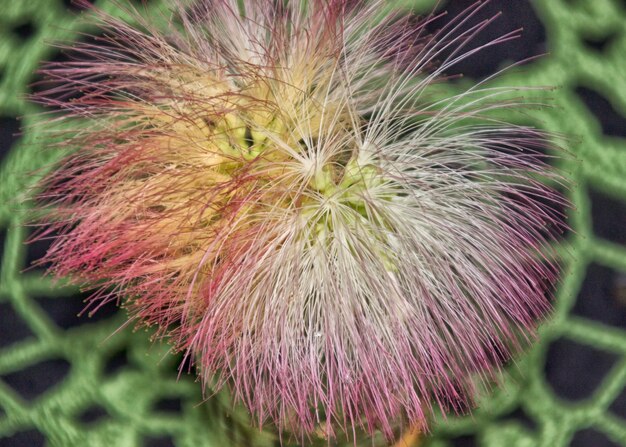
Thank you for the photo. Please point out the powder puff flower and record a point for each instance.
(283, 191)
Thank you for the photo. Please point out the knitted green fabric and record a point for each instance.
(122, 390)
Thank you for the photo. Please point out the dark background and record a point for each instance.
(572, 370)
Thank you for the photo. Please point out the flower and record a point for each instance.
(283, 192)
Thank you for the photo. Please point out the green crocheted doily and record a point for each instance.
(68, 382)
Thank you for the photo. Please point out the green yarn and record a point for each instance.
(129, 396)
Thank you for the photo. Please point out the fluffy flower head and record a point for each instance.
(281, 190)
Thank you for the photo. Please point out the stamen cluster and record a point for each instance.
(283, 192)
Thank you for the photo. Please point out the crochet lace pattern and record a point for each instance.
(66, 381)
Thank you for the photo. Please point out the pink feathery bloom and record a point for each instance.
(285, 193)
